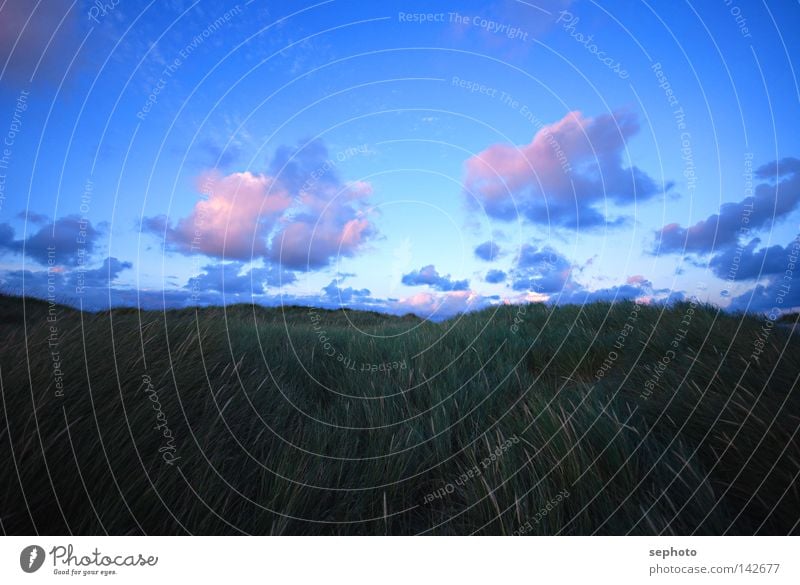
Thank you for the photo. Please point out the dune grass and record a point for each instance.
(535, 420)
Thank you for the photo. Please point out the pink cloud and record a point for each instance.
(563, 175)
(359, 189)
(637, 279)
(282, 216)
(447, 304)
(327, 224)
(232, 221)
(306, 244)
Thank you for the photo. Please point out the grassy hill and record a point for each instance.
(609, 419)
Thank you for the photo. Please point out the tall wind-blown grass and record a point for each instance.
(535, 420)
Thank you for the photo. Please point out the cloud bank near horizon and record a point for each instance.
(257, 231)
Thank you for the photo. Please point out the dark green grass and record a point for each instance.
(274, 436)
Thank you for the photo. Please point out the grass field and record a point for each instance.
(606, 418)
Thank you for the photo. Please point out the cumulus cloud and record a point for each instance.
(541, 270)
(33, 283)
(748, 262)
(33, 217)
(623, 292)
(543, 274)
(638, 280)
(778, 267)
(762, 297)
(776, 295)
(488, 251)
(232, 220)
(428, 275)
(233, 278)
(308, 241)
(67, 241)
(99, 277)
(772, 200)
(66, 283)
(495, 276)
(636, 288)
(564, 175)
(344, 295)
(441, 306)
(299, 214)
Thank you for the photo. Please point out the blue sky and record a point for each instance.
(394, 157)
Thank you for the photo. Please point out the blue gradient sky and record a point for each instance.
(421, 169)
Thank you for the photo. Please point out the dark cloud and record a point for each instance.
(624, 292)
(7, 241)
(67, 242)
(772, 201)
(781, 293)
(301, 168)
(636, 288)
(67, 285)
(344, 295)
(565, 176)
(542, 270)
(779, 267)
(98, 277)
(34, 283)
(495, 276)
(488, 251)
(32, 217)
(232, 279)
(157, 224)
(745, 262)
(428, 275)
